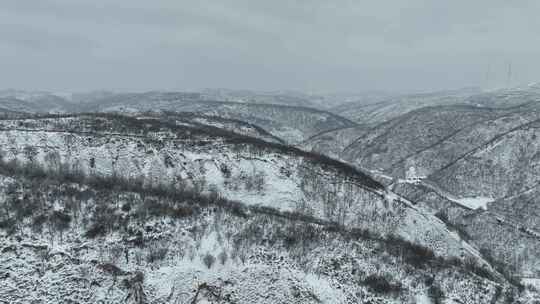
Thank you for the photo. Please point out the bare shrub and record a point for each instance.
(222, 257)
(436, 294)
(382, 284)
(208, 260)
(157, 252)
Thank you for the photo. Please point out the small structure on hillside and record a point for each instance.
(412, 176)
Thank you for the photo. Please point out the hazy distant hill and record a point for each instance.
(292, 124)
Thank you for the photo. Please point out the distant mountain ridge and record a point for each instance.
(171, 196)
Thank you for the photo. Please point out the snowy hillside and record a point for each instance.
(34, 102)
(506, 233)
(74, 243)
(475, 167)
(505, 166)
(238, 168)
(273, 152)
(161, 197)
(412, 133)
(293, 124)
(385, 108)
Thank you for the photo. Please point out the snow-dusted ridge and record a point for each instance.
(288, 194)
(293, 124)
(239, 168)
(205, 255)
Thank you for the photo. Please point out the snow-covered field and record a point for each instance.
(475, 202)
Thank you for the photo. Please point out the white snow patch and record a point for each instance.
(422, 298)
(474, 202)
(324, 290)
(535, 282)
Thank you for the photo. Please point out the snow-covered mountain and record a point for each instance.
(287, 98)
(293, 124)
(284, 120)
(150, 165)
(166, 197)
(412, 133)
(25, 102)
(91, 244)
(474, 166)
(238, 168)
(381, 108)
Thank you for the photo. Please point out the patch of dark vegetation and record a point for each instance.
(382, 284)
(96, 230)
(110, 214)
(479, 270)
(208, 260)
(8, 224)
(195, 98)
(436, 294)
(155, 200)
(414, 254)
(102, 123)
(60, 220)
(508, 271)
(443, 216)
(191, 118)
(458, 228)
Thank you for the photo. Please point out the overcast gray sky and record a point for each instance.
(349, 45)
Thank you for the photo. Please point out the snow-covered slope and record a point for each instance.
(213, 122)
(63, 241)
(35, 103)
(210, 207)
(385, 108)
(475, 167)
(333, 142)
(238, 168)
(507, 231)
(391, 142)
(290, 123)
(505, 166)
(246, 96)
